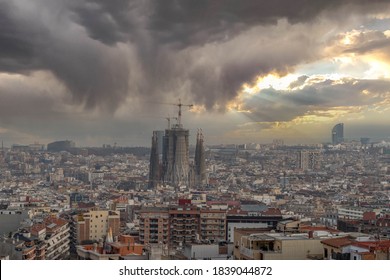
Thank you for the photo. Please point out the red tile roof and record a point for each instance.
(338, 242)
(272, 212)
(369, 216)
(374, 245)
(311, 228)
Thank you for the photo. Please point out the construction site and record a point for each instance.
(169, 157)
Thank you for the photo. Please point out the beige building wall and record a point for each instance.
(295, 250)
(213, 225)
(240, 235)
(269, 247)
(99, 223)
(95, 224)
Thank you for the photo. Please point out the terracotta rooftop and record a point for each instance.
(272, 212)
(53, 223)
(338, 242)
(376, 245)
(37, 228)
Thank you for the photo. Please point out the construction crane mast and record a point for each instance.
(179, 114)
(180, 105)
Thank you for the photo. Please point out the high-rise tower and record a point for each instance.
(338, 134)
(160, 137)
(176, 155)
(175, 167)
(200, 170)
(154, 166)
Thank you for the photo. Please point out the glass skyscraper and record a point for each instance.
(338, 134)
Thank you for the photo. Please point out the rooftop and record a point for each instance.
(338, 242)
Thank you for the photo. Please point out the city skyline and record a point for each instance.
(98, 73)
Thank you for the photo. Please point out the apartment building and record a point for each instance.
(94, 224)
(351, 213)
(46, 240)
(188, 223)
(356, 248)
(38, 231)
(154, 225)
(212, 225)
(57, 238)
(184, 225)
(275, 246)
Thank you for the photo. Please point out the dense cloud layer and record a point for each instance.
(105, 51)
(111, 56)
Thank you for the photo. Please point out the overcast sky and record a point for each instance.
(98, 71)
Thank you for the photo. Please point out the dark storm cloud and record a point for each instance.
(272, 105)
(104, 51)
(187, 22)
(196, 22)
(41, 38)
(108, 21)
(30, 100)
(19, 42)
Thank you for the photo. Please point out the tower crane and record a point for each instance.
(179, 114)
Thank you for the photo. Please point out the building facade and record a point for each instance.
(57, 239)
(95, 224)
(154, 165)
(309, 160)
(154, 225)
(184, 225)
(200, 165)
(176, 156)
(212, 225)
(338, 134)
